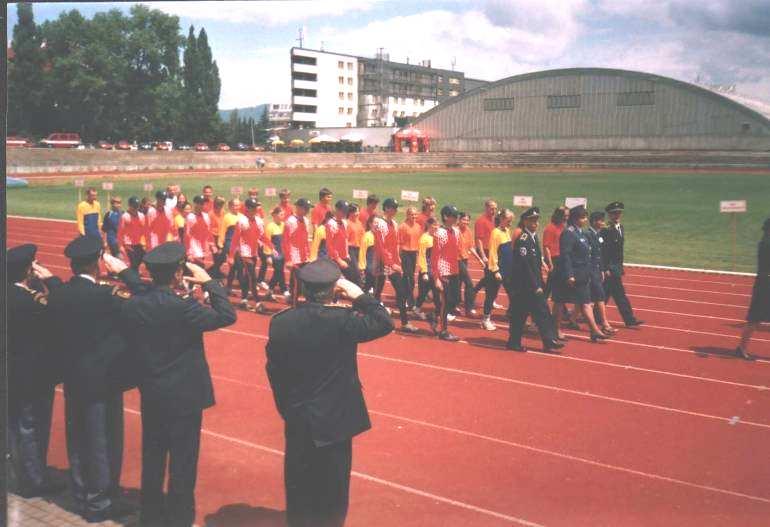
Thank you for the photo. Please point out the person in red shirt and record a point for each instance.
(482, 230)
(371, 208)
(197, 233)
(296, 247)
(409, 234)
(428, 211)
(208, 199)
(284, 195)
(251, 237)
(387, 263)
(132, 233)
(467, 249)
(337, 242)
(445, 268)
(160, 221)
(323, 206)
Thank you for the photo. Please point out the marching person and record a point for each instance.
(337, 242)
(409, 233)
(89, 214)
(759, 309)
(318, 245)
(445, 268)
(197, 233)
(612, 260)
(166, 329)
(595, 225)
(499, 249)
(181, 211)
(32, 374)
(284, 197)
(355, 235)
(482, 231)
(132, 232)
(323, 206)
(573, 283)
(372, 201)
(467, 249)
(551, 236)
(111, 225)
(251, 235)
(274, 233)
(208, 198)
(428, 211)
(296, 248)
(160, 221)
(387, 264)
(217, 217)
(527, 286)
(366, 258)
(312, 368)
(424, 267)
(228, 235)
(94, 354)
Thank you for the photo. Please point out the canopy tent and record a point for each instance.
(323, 138)
(414, 139)
(274, 139)
(296, 142)
(353, 137)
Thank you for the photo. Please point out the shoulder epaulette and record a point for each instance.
(121, 292)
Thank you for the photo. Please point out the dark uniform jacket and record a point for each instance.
(29, 360)
(165, 330)
(91, 350)
(612, 248)
(527, 264)
(311, 364)
(575, 254)
(595, 240)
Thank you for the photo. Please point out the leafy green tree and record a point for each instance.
(26, 111)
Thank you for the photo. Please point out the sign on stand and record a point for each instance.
(574, 202)
(236, 191)
(732, 208)
(271, 192)
(522, 201)
(148, 188)
(410, 195)
(360, 194)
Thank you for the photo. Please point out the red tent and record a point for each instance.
(414, 138)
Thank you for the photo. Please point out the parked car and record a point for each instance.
(123, 145)
(223, 147)
(201, 147)
(257, 148)
(145, 146)
(243, 147)
(184, 147)
(105, 145)
(61, 140)
(164, 145)
(13, 141)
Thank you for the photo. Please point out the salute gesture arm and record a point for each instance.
(202, 318)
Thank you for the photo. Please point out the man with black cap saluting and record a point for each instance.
(92, 352)
(527, 284)
(612, 260)
(31, 379)
(165, 330)
(311, 364)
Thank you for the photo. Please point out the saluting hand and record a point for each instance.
(113, 264)
(40, 272)
(199, 274)
(348, 288)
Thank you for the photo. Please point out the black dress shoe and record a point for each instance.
(515, 347)
(445, 335)
(635, 322)
(116, 511)
(598, 336)
(552, 345)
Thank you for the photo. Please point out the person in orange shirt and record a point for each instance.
(428, 211)
(467, 249)
(208, 198)
(409, 234)
(371, 208)
(318, 215)
(551, 236)
(355, 230)
(216, 216)
(284, 195)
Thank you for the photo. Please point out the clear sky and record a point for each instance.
(714, 41)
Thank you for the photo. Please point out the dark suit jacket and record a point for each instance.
(165, 331)
(612, 249)
(89, 345)
(29, 365)
(311, 364)
(526, 276)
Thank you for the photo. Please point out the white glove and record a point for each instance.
(350, 290)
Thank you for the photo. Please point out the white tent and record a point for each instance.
(323, 138)
(352, 137)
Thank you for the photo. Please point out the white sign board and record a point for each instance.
(360, 194)
(236, 191)
(80, 183)
(148, 187)
(733, 206)
(271, 192)
(107, 186)
(574, 202)
(410, 195)
(522, 201)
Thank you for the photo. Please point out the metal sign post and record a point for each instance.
(108, 187)
(79, 184)
(733, 208)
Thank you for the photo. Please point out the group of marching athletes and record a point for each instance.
(579, 262)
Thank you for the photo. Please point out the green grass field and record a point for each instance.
(671, 218)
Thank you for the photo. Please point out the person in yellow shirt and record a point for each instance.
(227, 238)
(500, 258)
(366, 256)
(182, 210)
(89, 215)
(318, 245)
(274, 233)
(425, 246)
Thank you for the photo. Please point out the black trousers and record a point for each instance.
(317, 479)
(484, 282)
(175, 439)
(235, 272)
(445, 300)
(397, 281)
(423, 288)
(216, 269)
(135, 254)
(523, 304)
(29, 430)
(551, 277)
(492, 288)
(408, 265)
(351, 272)
(114, 248)
(94, 430)
(278, 279)
(613, 288)
(262, 265)
(249, 279)
(469, 298)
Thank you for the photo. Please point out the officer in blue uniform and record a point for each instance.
(596, 284)
(313, 371)
(165, 329)
(93, 354)
(31, 378)
(612, 259)
(527, 286)
(111, 224)
(574, 282)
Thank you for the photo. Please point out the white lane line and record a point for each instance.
(687, 269)
(656, 286)
(694, 280)
(34, 218)
(688, 301)
(558, 388)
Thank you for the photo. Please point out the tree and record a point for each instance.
(262, 133)
(26, 111)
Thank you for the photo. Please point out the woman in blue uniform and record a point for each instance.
(759, 310)
(573, 285)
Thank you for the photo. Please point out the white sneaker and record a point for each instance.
(286, 294)
(264, 286)
(496, 305)
(244, 304)
(450, 317)
(419, 314)
(487, 324)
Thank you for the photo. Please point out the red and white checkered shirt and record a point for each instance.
(446, 252)
(197, 235)
(336, 239)
(386, 243)
(132, 229)
(296, 247)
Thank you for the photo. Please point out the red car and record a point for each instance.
(123, 145)
(13, 141)
(201, 147)
(222, 147)
(62, 140)
(104, 145)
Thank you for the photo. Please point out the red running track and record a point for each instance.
(657, 426)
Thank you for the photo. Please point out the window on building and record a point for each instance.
(340, 110)
(439, 79)
(350, 96)
(304, 108)
(439, 92)
(350, 81)
(350, 65)
(453, 93)
(349, 125)
(636, 98)
(340, 64)
(492, 105)
(403, 113)
(301, 59)
(303, 76)
(302, 92)
(276, 106)
(342, 95)
(341, 79)
(350, 111)
(454, 80)
(563, 101)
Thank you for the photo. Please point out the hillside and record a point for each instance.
(252, 111)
